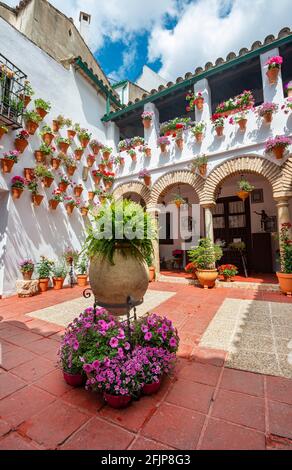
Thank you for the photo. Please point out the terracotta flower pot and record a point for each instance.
(53, 204)
(55, 126)
(41, 112)
(278, 151)
(84, 142)
(106, 155)
(180, 144)
(37, 199)
(20, 145)
(146, 123)
(151, 274)
(71, 134)
(84, 211)
(147, 180)
(207, 277)
(178, 204)
(78, 154)
(219, 131)
(117, 401)
(29, 174)
(227, 278)
(78, 191)
(148, 153)
(272, 75)
(6, 165)
(91, 195)
(203, 169)
(101, 167)
(27, 275)
(134, 157)
(243, 195)
(71, 170)
(285, 281)
(242, 125)
(55, 162)
(200, 103)
(82, 280)
(16, 192)
(75, 380)
(95, 149)
(48, 138)
(39, 156)
(163, 148)
(108, 185)
(2, 132)
(102, 199)
(31, 127)
(44, 284)
(97, 179)
(150, 389)
(26, 100)
(69, 208)
(58, 283)
(110, 165)
(48, 181)
(90, 161)
(268, 117)
(63, 146)
(199, 137)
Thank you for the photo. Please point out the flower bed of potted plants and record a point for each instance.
(163, 143)
(59, 273)
(266, 111)
(32, 120)
(21, 141)
(27, 94)
(146, 176)
(285, 275)
(46, 176)
(26, 267)
(205, 256)
(147, 117)
(44, 269)
(33, 187)
(195, 100)
(82, 271)
(198, 130)
(218, 122)
(3, 130)
(243, 101)
(228, 271)
(199, 163)
(95, 146)
(240, 119)
(245, 188)
(17, 186)
(8, 160)
(278, 145)
(84, 137)
(274, 67)
(133, 154)
(42, 107)
(47, 134)
(57, 197)
(288, 88)
(70, 204)
(63, 144)
(108, 179)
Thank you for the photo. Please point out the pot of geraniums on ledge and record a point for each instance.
(21, 142)
(78, 189)
(29, 174)
(228, 271)
(32, 120)
(199, 163)
(8, 160)
(3, 130)
(90, 160)
(146, 176)
(133, 154)
(205, 256)
(59, 273)
(95, 146)
(108, 179)
(163, 143)
(218, 122)
(27, 94)
(36, 197)
(266, 111)
(57, 197)
(45, 175)
(44, 269)
(26, 267)
(278, 145)
(274, 67)
(245, 188)
(47, 135)
(118, 266)
(84, 137)
(288, 88)
(195, 100)
(42, 107)
(178, 200)
(17, 186)
(78, 152)
(147, 117)
(63, 144)
(198, 131)
(82, 271)
(285, 275)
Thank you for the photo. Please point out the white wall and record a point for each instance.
(34, 231)
(150, 80)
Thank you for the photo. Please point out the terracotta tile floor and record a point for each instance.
(203, 406)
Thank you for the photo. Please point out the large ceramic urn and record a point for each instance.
(113, 283)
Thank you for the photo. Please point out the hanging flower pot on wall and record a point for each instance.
(48, 181)
(78, 154)
(6, 165)
(71, 134)
(28, 174)
(53, 203)
(37, 199)
(55, 162)
(39, 156)
(20, 145)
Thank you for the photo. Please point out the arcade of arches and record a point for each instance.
(223, 216)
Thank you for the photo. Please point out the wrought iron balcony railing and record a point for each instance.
(12, 86)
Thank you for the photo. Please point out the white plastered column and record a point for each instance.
(272, 93)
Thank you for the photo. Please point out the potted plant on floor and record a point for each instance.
(32, 120)
(147, 117)
(57, 197)
(278, 145)
(44, 269)
(63, 144)
(163, 142)
(82, 271)
(42, 107)
(21, 141)
(228, 271)
(285, 275)
(218, 122)
(146, 176)
(245, 189)
(17, 186)
(3, 130)
(26, 267)
(84, 137)
(47, 135)
(205, 256)
(266, 111)
(59, 273)
(8, 160)
(96, 146)
(198, 130)
(161, 333)
(36, 197)
(199, 163)
(274, 67)
(117, 260)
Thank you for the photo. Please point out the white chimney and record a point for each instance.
(84, 20)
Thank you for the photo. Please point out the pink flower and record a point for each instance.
(172, 342)
(114, 343)
(148, 336)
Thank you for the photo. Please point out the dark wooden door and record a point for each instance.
(262, 253)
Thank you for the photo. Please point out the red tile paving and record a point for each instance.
(204, 405)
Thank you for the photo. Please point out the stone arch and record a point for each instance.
(133, 187)
(168, 180)
(237, 166)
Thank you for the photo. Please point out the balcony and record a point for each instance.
(12, 85)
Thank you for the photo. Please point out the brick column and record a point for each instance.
(272, 93)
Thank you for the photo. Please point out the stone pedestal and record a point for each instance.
(27, 288)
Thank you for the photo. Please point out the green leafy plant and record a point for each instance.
(198, 161)
(60, 270)
(44, 267)
(47, 149)
(46, 130)
(33, 186)
(40, 103)
(286, 248)
(28, 91)
(82, 265)
(205, 255)
(41, 171)
(198, 127)
(244, 185)
(239, 246)
(32, 116)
